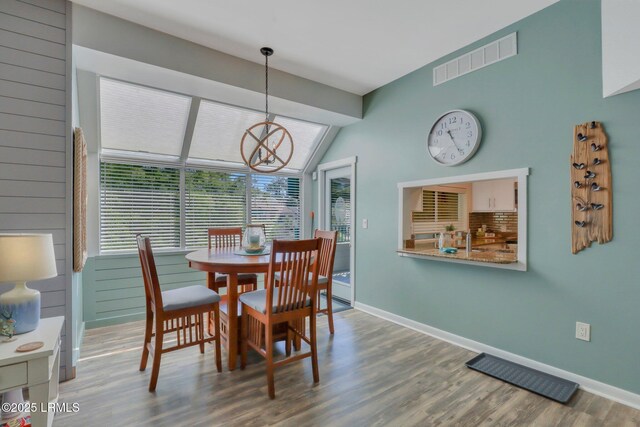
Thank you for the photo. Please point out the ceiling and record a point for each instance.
(354, 45)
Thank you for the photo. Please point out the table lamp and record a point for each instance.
(24, 258)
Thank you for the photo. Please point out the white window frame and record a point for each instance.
(321, 174)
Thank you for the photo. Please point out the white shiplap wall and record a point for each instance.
(35, 150)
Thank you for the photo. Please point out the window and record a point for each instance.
(162, 178)
(135, 118)
(146, 199)
(213, 199)
(306, 137)
(151, 124)
(218, 131)
(341, 208)
(439, 208)
(138, 199)
(275, 202)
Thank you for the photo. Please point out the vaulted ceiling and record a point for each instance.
(354, 45)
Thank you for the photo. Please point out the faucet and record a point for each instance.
(468, 241)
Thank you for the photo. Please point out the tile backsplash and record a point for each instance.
(495, 221)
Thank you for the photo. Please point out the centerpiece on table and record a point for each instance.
(253, 240)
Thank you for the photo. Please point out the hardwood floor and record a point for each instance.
(372, 372)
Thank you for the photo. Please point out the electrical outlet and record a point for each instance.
(583, 331)
(365, 223)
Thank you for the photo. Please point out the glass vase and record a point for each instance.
(253, 240)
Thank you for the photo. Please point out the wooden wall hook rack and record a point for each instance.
(591, 187)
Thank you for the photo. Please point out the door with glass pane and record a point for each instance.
(337, 212)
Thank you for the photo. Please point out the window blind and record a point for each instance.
(138, 199)
(275, 202)
(447, 206)
(439, 208)
(213, 199)
(341, 210)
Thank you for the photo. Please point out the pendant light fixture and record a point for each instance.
(266, 146)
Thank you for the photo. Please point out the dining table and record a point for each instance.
(232, 262)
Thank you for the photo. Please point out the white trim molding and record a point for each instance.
(587, 384)
(321, 173)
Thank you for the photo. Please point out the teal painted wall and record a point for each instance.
(113, 291)
(528, 105)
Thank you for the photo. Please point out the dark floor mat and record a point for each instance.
(546, 385)
(338, 306)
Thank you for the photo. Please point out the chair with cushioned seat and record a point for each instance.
(326, 257)
(290, 303)
(227, 237)
(179, 310)
(328, 242)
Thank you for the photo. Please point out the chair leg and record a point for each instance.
(330, 309)
(216, 323)
(210, 325)
(297, 339)
(200, 325)
(147, 339)
(269, 349)
(289, 339)
(244, 336)
(157, 355)
(314, 348)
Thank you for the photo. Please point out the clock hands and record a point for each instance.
(454, 142)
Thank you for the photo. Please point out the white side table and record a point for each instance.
(38, 370)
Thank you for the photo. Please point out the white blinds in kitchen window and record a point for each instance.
(439, 209)
(213, 199)
(138, 199)
(275, 202)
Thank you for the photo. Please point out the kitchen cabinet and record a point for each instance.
(493, 196)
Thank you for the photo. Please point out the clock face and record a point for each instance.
(454, 138)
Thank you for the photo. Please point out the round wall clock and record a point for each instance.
(454, 138)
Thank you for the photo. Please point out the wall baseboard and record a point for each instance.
(592, 386)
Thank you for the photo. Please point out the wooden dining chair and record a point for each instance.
(326, 257)
(230, 237)
(227, 237)
(179, 310)
(289, 304)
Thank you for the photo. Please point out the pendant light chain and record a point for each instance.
(266, 88)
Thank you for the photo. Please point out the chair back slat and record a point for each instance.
(295, 266)
(327, 255)
(225, 237)
(152, 289)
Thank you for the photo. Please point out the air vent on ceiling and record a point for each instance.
(479, 58)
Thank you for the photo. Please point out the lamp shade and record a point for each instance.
(26, 257)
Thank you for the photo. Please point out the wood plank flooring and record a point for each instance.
(372, 373)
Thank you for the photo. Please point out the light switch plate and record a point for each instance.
(365, 223)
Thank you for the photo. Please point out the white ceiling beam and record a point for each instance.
(109, 34)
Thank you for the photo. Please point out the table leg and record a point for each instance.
(211, 285)
(232, 314)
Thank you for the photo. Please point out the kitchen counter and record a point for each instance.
(482, 256)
